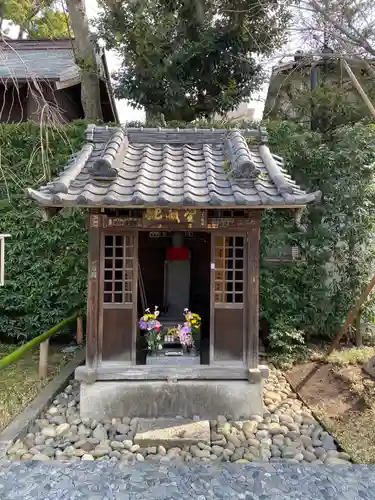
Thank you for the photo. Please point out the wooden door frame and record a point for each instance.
(252, 286)
(133, 358)
(134, 307)
(94, 223)
(228, 233)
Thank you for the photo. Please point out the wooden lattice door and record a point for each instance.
(119, 280)
(228, 254)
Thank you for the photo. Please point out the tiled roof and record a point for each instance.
(153, 167)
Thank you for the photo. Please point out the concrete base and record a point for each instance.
(171, 432)
(151, 399)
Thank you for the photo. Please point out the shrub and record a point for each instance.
(285, 339)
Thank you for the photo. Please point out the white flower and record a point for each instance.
(186, 310)
(160, 347)
(156, 313)
(156, 308)
(147, 310)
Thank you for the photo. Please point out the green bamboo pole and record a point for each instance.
(18, 353)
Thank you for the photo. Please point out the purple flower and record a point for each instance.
(185, 330)
(142, 324)
(184, 334)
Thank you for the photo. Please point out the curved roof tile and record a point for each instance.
(173, 166)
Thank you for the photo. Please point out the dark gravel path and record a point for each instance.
(101, 480)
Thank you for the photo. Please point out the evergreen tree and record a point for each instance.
(191, 58)
(41, 19)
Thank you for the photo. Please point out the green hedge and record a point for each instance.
(45, 266)
(337, 249)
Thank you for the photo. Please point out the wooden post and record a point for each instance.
(79, 331)
(359, 88)
(43, 359)
(253, 293)
(93, 292)
(351, 316)
(358, 333)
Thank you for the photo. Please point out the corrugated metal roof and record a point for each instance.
(155, 167)
(30, 60)
(39, 59)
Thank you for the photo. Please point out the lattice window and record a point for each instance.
(229, 269)
(282, 253)
(118, 269)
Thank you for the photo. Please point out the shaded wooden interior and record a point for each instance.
(152, 248)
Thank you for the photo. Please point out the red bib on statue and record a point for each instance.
(177, 253)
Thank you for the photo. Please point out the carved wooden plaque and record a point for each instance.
(94, 221)
(165, 217)
(223, 222)
(122, 222)
(170, 219)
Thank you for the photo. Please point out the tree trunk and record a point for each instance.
(86, 60)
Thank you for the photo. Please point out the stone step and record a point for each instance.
(171, 432)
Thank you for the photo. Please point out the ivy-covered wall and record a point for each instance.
(45, 266)
(46, 260)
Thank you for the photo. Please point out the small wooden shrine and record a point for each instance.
(173, 221)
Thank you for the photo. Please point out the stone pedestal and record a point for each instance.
(184, 359)
(150, 399)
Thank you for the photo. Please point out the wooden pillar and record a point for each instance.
(358, 332)
(79, 331)
(92, 322)
(253, 292)
(43, 359)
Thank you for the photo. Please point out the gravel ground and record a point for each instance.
(287, 432)
(100, 480)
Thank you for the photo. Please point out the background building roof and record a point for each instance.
(48, 60)
(39, 59)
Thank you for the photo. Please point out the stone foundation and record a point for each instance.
(186, 398)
